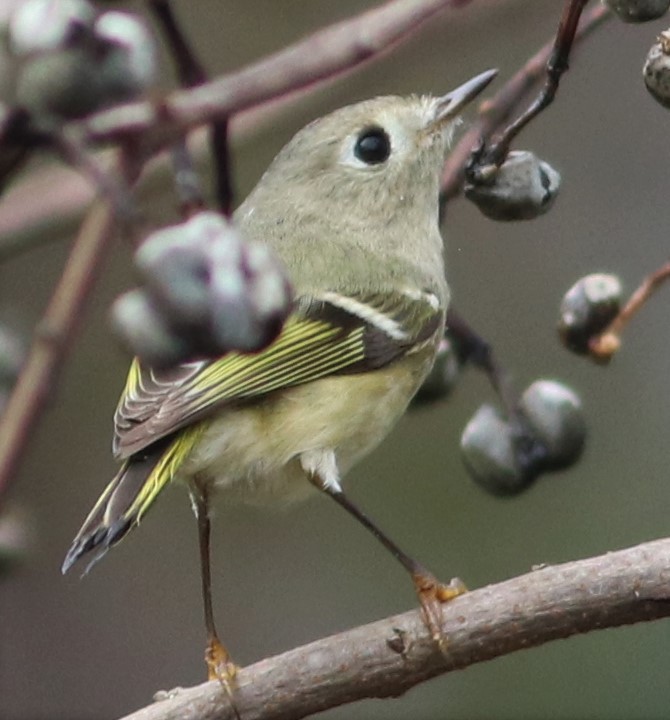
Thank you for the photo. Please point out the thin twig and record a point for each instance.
(348, 44)
(495, 111)
(493, 155)
(603, 346)
(191, 73)
(53, 338)
(390, 656)
(474, 349)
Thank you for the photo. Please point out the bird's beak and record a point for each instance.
(450, 104)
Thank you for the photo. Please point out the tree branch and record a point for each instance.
(388, 657)
(53, 338)
(320, 56)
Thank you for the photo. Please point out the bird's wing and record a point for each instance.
(326, 335)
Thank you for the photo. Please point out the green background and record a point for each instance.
(100, 647)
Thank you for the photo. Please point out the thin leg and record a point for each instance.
(432, 593)
(219, 664)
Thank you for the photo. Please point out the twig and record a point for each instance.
(494, 111)
(321, 56)
(388, 657)
(53, 338)
(398, 20)
(604, 345)
(493, 155)
(474, 349)
(192, 73)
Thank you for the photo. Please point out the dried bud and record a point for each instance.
(250, 296)
(129, 65)
(175, 265)
(656, 71)
(442, 378)
(487, 445)
(553, 413)
(63, 63)
(213, 290)
(145, 332)
(637, 11)
(546, 434)
(41, 26)
(522, 188)
(62, 84)
(587, 309)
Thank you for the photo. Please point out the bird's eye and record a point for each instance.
(373, 146)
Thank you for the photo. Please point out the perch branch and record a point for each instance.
(388, 657)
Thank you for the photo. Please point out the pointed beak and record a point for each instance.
(449, 105)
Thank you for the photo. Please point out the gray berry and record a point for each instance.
(522, 188)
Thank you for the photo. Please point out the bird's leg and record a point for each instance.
(432, 593)
(219, 664)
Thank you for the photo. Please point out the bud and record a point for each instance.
(61, 62)
(587, 309)
(42, 26)
(487, 446)
(522, 188)
(211, 289)
(553, 413)
(656, 71)
(637, 11)
(130, 64)
(547, 433)
(145, 332)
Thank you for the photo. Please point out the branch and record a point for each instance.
(388, 657)
(53, 338)
(557, 64)
(603, 346)
(320, 56)
(495, 111)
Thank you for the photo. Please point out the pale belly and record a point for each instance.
(254, 452)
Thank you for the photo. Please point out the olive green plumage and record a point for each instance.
(359, 236)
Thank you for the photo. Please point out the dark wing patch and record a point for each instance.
(329, 335)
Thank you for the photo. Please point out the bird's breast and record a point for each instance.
(252, 452)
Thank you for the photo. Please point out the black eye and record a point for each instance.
(373, 146)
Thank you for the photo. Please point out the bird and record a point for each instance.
(351, 207)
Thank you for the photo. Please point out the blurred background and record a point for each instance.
(100, 647)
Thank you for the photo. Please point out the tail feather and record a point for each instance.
(128, 496)
(114, 514)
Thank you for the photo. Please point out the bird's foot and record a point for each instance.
(221, 667)
(432, 595)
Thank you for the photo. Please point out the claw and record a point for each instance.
(432, 595)
(220, 667)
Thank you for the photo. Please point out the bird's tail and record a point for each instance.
(126, 499)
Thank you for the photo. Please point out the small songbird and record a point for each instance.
(350, 205)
